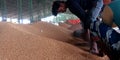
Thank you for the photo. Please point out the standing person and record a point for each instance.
(107, 31)
(95, 13)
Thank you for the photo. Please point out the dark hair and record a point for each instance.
(55, 6)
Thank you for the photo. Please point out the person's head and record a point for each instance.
(58, 7)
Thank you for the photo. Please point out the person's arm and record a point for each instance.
(75, 8)
(94, 3)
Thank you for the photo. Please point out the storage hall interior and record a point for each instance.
(29, 31)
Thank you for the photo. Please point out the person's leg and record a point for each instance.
(96, 10)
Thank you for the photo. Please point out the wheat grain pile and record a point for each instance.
(40, 41)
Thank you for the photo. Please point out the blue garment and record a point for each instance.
(108, 36)
(106, 33)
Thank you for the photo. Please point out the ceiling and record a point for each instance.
(22, 9)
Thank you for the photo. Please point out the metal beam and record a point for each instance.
(30, 6)
(19, 6)
(3, 10)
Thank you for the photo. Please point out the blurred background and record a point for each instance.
(29, 11)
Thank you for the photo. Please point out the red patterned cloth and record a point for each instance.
(74, 21)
